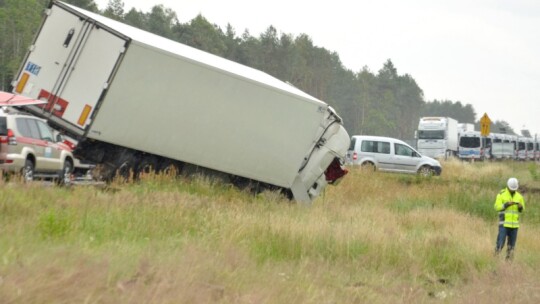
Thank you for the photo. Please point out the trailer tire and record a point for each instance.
(241, 183)
(170, 167)
(147, 166)
(126, 170)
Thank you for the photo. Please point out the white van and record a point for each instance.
(472, 146)
(390, 154)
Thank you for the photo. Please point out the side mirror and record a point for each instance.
(59, 137)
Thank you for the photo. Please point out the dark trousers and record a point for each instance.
(504, 233)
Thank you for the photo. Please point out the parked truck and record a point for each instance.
(437, 137)
(464, 127)
(135, 101)
(503, 146)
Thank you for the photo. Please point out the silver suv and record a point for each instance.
(29, 146)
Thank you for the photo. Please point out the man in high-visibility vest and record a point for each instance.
(509, 204)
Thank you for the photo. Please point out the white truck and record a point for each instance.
(437, 137)
(135, 101)
(503, 146)
(465, 127)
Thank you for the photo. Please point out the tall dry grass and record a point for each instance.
(374, 238)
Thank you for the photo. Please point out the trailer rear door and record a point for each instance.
(70, 64)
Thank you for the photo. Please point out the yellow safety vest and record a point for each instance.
(509, 217)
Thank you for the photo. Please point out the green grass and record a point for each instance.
(381, 238)
(533, 170)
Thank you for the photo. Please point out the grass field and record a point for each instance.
(374, 238)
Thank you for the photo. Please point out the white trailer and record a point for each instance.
(525, 148)
(136, 101)
(536, 148)
(502, 146)
(465, 127)
(531, 148)
(437, 137)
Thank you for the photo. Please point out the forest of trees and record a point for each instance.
(382, 103)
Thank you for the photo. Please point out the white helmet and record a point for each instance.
(512, 184)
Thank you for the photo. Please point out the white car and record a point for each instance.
(390, 154)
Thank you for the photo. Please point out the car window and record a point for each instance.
(24, 128)
(32, 126)
(431, 134)
(3, 126)
(375, 146)
(45, 131)
(353, 143)
(403, 150)
(469, 142)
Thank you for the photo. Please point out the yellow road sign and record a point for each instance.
(485, 124)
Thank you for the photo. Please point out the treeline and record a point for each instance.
(376, 103)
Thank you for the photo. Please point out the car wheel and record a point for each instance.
(425, 171)
(28, 171)
(64, 177)
(368, 166)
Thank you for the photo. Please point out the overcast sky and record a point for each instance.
(482, 52)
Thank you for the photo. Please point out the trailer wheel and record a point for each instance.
(239, 182)
(147, 166)
(169, 167)
(126, 170)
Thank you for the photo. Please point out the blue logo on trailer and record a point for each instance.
(32, 68)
